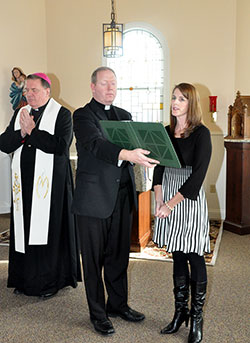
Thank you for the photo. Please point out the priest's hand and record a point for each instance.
(27, 123)
(138, 156)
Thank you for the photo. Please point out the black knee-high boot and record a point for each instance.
(198, 295)
(181, 294)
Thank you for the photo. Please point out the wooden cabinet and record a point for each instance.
(238, 186)
(141, 227)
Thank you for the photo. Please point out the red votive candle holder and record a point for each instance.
(212, 100)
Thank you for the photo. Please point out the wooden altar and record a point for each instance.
(141, 227)
(237, 144)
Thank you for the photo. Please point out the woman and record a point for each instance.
(17, 94)
(182, 223)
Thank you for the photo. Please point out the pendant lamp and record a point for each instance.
(112, 37)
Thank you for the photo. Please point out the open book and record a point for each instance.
(149, 136)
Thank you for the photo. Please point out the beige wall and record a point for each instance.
(200, 36)
(242, 70)
(74, 43)
(207, 42)
(23, 44)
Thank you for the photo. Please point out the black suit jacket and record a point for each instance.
(98, 175)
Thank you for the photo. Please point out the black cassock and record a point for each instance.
(45, 268)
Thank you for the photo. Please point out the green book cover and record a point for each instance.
(149, 136)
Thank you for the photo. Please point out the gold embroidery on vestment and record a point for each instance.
(16, 190)
(42, 187)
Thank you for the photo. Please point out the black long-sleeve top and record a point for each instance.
(194, 151)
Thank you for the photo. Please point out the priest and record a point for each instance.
(43, 254)
(103, 202)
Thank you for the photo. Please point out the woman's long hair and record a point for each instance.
(194, 114)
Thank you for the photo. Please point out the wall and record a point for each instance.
(242, 81)
(200, 36)
(207, 40)
(23, 44)
(74, 42)
(201, 40)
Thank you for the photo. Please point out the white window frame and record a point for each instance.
(166, 79)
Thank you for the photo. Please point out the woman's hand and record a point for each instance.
(163, 211)
(158, 205)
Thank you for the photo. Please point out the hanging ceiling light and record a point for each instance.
(112, 37)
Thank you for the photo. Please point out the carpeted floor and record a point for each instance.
(65, 318)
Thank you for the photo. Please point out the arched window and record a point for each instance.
(140, 75)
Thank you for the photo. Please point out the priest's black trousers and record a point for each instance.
(105, 245)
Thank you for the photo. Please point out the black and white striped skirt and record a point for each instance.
(186, 229)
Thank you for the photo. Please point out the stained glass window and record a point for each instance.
(140, 76)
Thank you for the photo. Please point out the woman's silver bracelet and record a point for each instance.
(169, 207)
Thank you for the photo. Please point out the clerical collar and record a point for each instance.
(102, 106)
(40, 109)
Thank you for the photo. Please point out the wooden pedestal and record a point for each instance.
(141, 228)
(238, 187)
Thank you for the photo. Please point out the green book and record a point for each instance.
(149, 136)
